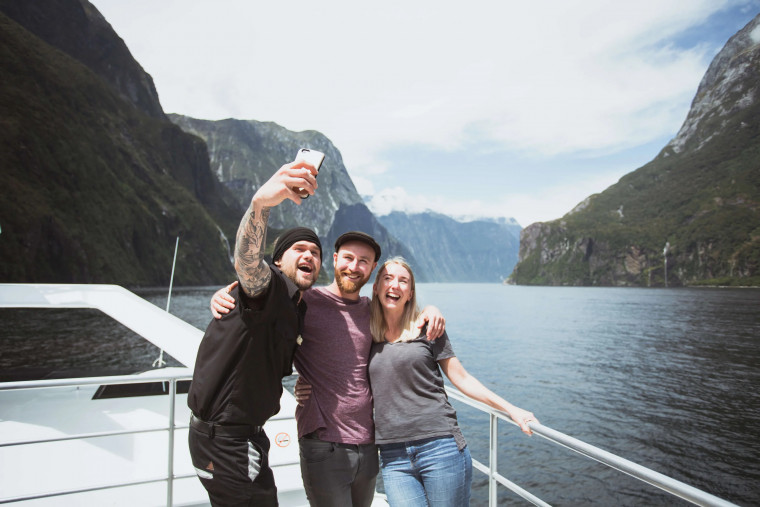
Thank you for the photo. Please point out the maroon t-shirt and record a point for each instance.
(333, 358)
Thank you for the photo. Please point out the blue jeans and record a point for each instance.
(426, 472)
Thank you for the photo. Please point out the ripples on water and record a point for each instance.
(666, 378)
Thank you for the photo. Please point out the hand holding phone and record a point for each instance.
(313, 157)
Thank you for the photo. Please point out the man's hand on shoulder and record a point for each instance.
(436, 324)
(222, 301)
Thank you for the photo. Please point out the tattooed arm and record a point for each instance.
(252, 271)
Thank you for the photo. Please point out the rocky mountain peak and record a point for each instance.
(245, 153)
(730, 84)
(688, 217)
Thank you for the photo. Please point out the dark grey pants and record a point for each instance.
(338, 475)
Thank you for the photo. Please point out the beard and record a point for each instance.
(302, 280)
(349, 286)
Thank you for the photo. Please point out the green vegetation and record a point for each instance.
(93, 189)
(752, 281)
(704, 202)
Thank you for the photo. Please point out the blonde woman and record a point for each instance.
(423, 456)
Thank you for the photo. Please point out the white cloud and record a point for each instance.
(755, 34)
(536, 78)
(363, 185)
(551, 76)
(553, 202)
(549, 203)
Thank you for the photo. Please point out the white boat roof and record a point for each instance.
(170, 333)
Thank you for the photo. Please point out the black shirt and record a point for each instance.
(244, 356)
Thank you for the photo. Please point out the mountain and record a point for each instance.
(79, 30)
(97, 183)
(245, 153)
(452, 251)
(359, 217)
(691, 216)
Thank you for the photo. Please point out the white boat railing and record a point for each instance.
(149, 377)
(661, 481)
(181, 339)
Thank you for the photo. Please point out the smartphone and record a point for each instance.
(313, 157)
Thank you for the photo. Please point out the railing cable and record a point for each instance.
(661, 481)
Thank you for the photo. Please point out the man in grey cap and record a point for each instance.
(336, 432)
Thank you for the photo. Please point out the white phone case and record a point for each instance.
(313, 157)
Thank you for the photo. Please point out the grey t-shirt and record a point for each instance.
(407, 386)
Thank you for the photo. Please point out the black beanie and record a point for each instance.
(291, 236)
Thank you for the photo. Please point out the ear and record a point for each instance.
(335, 259)
(278, 263)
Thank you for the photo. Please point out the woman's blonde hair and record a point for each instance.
(377, 324)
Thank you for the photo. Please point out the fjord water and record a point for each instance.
(667, 378)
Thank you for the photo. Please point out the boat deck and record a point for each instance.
(62, 445)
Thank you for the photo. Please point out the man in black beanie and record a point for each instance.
(237, 382)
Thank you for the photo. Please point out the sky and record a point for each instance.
(480, 108)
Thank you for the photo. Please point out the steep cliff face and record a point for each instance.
(245, 153)
(690, 216)
(452, 251)
(96, 185)
(79, 30)
(728, 91)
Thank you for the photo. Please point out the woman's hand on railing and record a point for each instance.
(522, 418)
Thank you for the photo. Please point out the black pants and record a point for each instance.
(337, 475)
(233, 469)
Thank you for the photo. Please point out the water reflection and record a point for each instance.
(666, 378)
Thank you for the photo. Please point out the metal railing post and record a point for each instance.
(646, 475)
(170, 475)
(493, 460)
